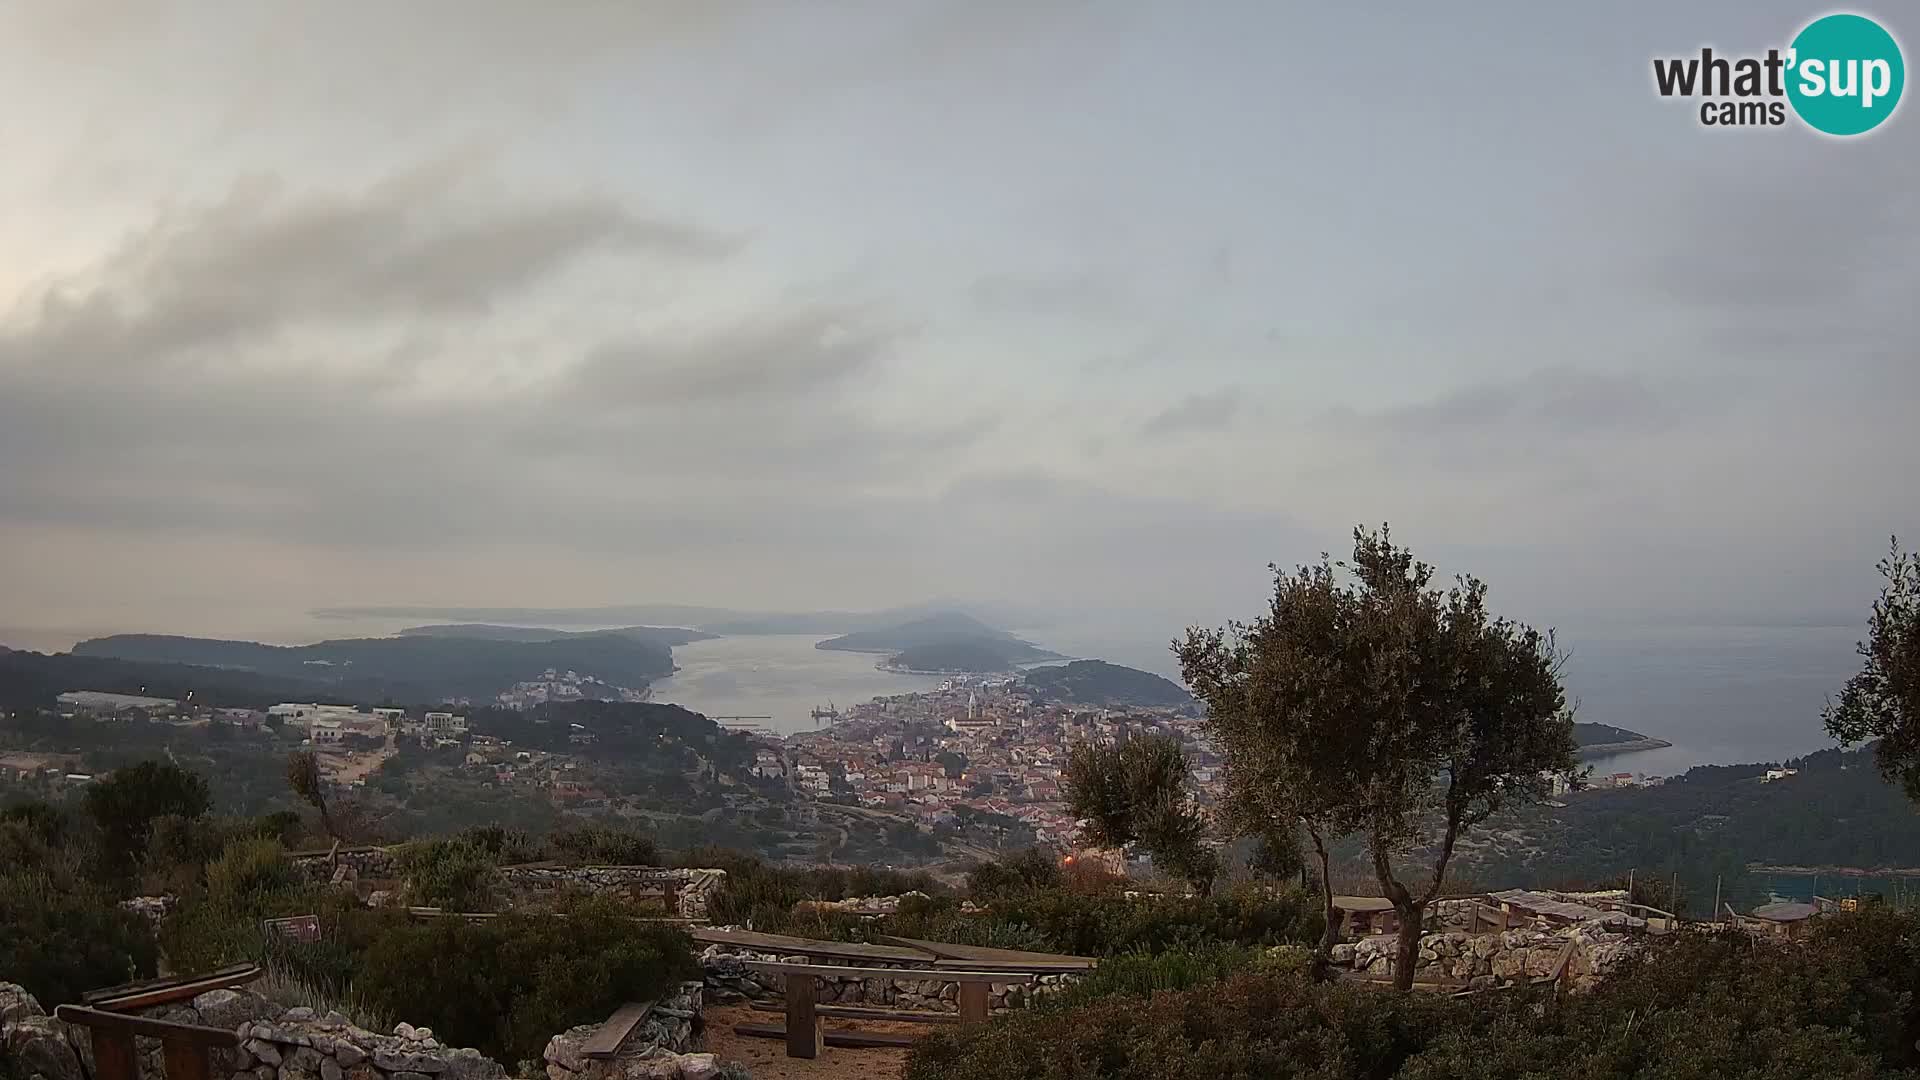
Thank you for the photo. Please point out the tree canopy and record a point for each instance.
(125, 803)
(1883, 701)
(1136, 793)
(1369, 700)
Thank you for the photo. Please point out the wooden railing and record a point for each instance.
(184, 1047)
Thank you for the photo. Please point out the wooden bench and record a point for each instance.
(803, 1032)
(605, 1043)
(140, 995)
(184, 1046)
(867, 1012)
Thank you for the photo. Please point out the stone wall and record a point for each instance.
(276, 1044)
(295, 1044)
(695, 887)
(729, 981)
(1497, 959)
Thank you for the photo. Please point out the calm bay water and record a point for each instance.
(778, 675)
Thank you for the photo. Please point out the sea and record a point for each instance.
(781, 677)
(1721, 694)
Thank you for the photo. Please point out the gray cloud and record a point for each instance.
(1198, 413)
(805, 353)
(264, 261)
(1001, 254)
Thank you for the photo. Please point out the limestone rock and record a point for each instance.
(37, 1046)
(396, 1061)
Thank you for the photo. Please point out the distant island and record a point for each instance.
(1096, 682)
(944, 643)
(660, 635)
(1596, 740)
(968, 656)
(418, 668)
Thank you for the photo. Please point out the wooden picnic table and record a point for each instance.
(803, 1032)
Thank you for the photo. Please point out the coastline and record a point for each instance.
(1606, 749)
(1837, 871)
(891, 670)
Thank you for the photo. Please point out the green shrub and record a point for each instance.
(1109, 923)
(249, 873)
(603, 845)
(506, 985)
(126, 803)
(505, 846)
(458, 875)
(765, 895)
(1140, 975)
(1029, 870)
(61, 935)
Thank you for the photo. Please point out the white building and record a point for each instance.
(443, 725)
(96, 701)
(325, 731)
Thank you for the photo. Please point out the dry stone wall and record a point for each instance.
(1497, 959)
(728, 980)
(695, 887)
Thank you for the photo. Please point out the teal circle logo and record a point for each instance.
(1845, 74)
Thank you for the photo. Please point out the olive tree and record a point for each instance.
(1369, 701)
(1883, 701)
(1135, 792)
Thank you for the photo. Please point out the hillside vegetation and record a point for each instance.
(1096, 682)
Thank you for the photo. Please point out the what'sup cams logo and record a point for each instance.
(1841, 75)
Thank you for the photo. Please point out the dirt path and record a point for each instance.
(767, 1059)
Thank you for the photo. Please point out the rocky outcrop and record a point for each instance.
(151, 908)
(728, 980)
(870, 906)
(564, 1061)
(33, 1045)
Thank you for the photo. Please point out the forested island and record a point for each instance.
(1096, 682)
(976, 656)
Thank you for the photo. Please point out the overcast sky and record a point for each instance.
(1090, 307)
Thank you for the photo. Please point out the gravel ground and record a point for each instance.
(767, 1059)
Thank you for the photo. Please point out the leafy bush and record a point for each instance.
(249, 873)
(1029, 870)
(1693, 1007)
(126, 803)
(604, 846)
(506, 985)
(505, 846)
(1109, 923)
(1140, 975)
(457, 875)
(765, 895)
(60, 932)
